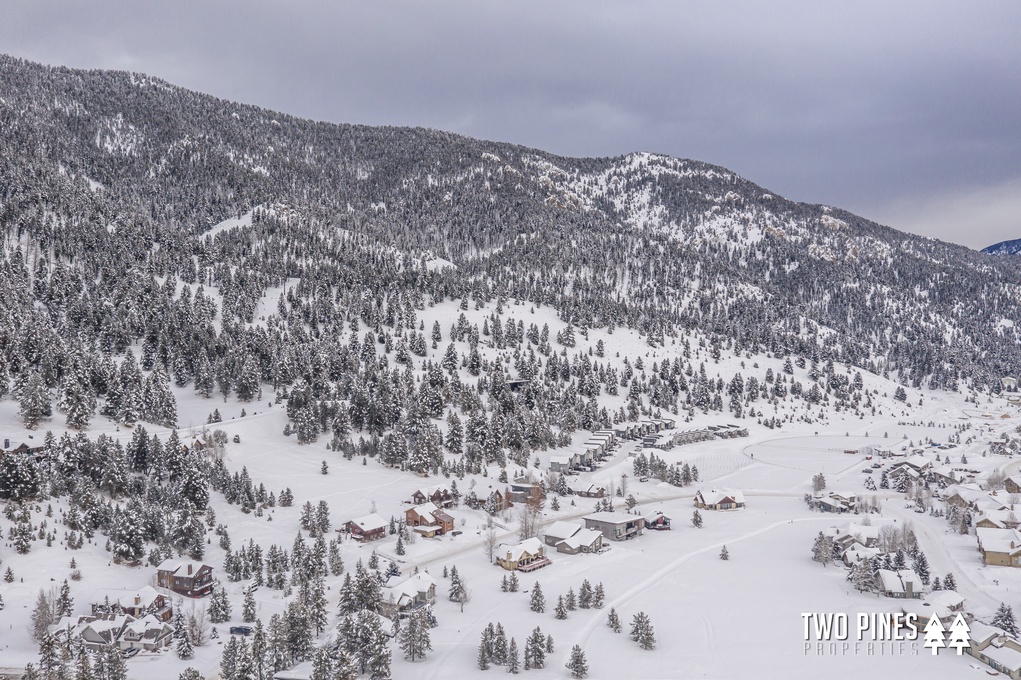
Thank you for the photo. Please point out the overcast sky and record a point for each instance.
(905, 112)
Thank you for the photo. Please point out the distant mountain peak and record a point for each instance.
(1012, 247)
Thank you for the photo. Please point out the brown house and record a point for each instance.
(368, 528)
(433, 520)
(437, 495)
(138, 603)
(185, 577)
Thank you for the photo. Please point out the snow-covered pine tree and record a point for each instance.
(613, 620)
(577, 663)
(414, 636)
(642, 631)
(538, 600)
(1004, 619)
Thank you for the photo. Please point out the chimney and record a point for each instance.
(138, 600)
(189, 569)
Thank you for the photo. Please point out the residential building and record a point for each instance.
(185, 577)
(719, 499)
(528, 555)
(368, 528)
(616, 526)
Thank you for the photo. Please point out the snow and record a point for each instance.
(739, 618)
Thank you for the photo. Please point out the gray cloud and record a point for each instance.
(886, 109)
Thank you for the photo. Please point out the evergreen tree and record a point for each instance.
(613, 620)
(696, 519)
(642, 631)
(1004, 619)
(538, 600)
(414, 636)
(577, 663)
(561, 610)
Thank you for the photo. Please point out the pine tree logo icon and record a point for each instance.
(960, 634)
(934, 635)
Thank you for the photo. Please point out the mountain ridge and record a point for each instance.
(729, 256)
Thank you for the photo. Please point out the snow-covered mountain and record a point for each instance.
(1011, 247)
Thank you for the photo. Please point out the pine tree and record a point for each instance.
(561, 611)
(696, 519)
(248, 607)
(538, 601)
(570, 600)
(513, 660)
(482, 661)
(1004, 619)
(724, 555)
(642, 631)
(577, 663)
(822, 549)
(585, 595)
(35, 401)
(613, 620)
(414, 636)
(64, 605)
(512, 582)
(184, 649)
(598, 597)
(949, 582)
(921, 567)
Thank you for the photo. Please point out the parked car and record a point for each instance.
(455, 532)
(129, 652)
(240, 630)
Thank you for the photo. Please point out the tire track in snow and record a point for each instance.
(599, 619)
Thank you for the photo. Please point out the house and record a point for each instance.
(558, 531)
(414, 592)
(147, 633)
(1012, 484)
(438, 495)
(583, 541)
(590, 491)
(997, 519)
(95, 632)
(901, 584)
(945, 604)
(616, 526)
(22, 448)
(185, 577)
(719, 499)
(368, 528)
(528, 555)
(138, 603)
(692, 437)
(835, 502)
(999, 547)
(657, 520)
(561, 464)
(919, 464)
(429, 520)
(996, 648)
(523, 488)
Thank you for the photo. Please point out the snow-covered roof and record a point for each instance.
(999, 540)
(653, 516)
(180, 566)
(561, 460)
(584, 537)
(981, 633)
(143, 597)
(369, 522)
(1007, 657)
(513, 553)
(411, 587)
(428, 491)
(612, 517)
(431, 514)
(897, 581)
(561, 529)
(717, 496)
